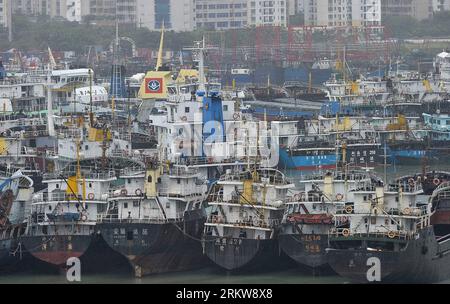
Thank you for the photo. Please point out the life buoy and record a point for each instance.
(210, 160)
(436, 181)
(91, 196)
(184, 118)
(391, 234)
(346, 232)
(297, 197)
(138, 192)
(84, 217)
(339, 197)
(407, 211)
(349, 209)
(419, 179)
(236, 116)
(124, 192)
(411, 181)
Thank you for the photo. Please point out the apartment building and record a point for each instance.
(261, 12)
(441, 5)
(228, 14)
(418, 9)
(152, 14)
(220, 14)
(342, 13)
(72, 10)
(5, 13)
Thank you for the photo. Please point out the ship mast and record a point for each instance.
(50, 122)
(159, 62)
(201, 65)
(91, 113)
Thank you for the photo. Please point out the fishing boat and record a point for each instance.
(242, 228)
(310, 215)
(12, 218)
(391, 237)
(155, 218)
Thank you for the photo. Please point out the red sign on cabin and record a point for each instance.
(153, 85)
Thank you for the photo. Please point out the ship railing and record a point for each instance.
(238, 200)
(180, 171)
(133, 170)
(25, 80)
(255, 223)
(193, 161)
(341, 209)
(238, 177)
(86, 172)
(351, 176)
(69, 133)
(442, 191)
(104, 218)
(31, 134)
(306, 198)
(405, 187)
(192, 192)
(344, 233)
(44, 197)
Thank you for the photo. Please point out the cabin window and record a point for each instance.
(225, 108)
(129, 180)
(365, 220)
(125, 205)
(167, 205)
(135, 203)
(178, 181)
(386, 221)
(86, 147)
(396, 199)
(149, 179)
(373, 220)
(49, 207)
(57, 186)
(187, 109)
(90, 185)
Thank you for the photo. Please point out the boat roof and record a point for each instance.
(444, 55)
(71, 72)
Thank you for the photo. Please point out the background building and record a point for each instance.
(220, 14)
(175, 14)
(441, 5)
(228, 14)
(261, 12)
(72, 10)
(418, 9)
(339, 13)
